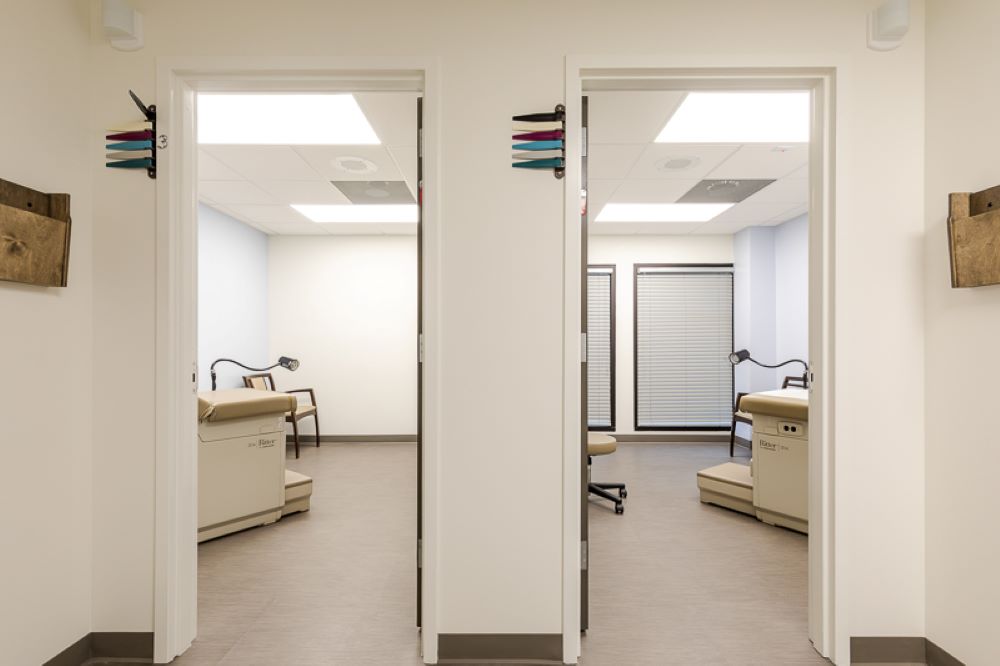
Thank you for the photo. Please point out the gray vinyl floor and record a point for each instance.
(672, 581)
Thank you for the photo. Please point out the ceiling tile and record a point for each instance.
(371, 229)
(233, 214)
(304, 192)
(763, 161)
(629, 117)
(599, 193)
(269, 215)
(611, 161)
(393, 116)
(715, 228)
(752, 213)
(800, 173)
(264, 162)
(210, 168)
(234, 192)
(787, 190)
(643, 228)
(296, 229)
(652, 191)
(405, 158)
(787, 215)
(653, 161)
(355, 162)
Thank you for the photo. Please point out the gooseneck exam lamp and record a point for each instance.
(285, 362)
(738, 357)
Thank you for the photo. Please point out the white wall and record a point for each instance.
(232, 298)
(771, 308)
(753, 306)
(963, 581)
(46, 335)
(502, 266)
(791, 293)
(624, 252)
(346, 307)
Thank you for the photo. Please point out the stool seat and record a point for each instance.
(599, 444)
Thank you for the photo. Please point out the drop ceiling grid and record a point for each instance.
(258, 183)
(621, 121)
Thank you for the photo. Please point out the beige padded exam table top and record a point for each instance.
(239, 403)
(789, 403)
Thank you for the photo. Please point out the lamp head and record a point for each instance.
(738, 357)
(288, 363)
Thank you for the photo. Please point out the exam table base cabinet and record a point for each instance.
(780, 469)
(241, 480)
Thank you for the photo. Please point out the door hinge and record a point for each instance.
(583, 348)
(420, 348)
(584, 550)
(583, 148)
(420, 553)
(420, 142)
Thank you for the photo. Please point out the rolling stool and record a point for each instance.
(602, 445)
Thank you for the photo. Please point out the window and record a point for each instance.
(601, 347)
(683, 337)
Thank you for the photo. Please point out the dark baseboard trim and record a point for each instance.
(936, 656)
(466, 648)
(899, 650)
(136, 646)
(361, 439)
(74, 655)
(686, 437)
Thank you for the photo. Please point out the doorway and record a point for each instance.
(590, 76)
(175, 612)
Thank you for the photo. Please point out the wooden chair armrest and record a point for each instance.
(312, 394)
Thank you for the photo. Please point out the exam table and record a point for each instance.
(775, 486)
(242, 480)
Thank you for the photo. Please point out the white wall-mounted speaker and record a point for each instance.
(888, 24)
(122, 25)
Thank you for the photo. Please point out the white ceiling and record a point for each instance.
(624, 166)
(257, 184)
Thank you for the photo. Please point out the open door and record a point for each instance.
(420, 356)
(584, 468)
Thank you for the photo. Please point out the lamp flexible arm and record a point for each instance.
(794, 360)
(805, 366)
(245, 367)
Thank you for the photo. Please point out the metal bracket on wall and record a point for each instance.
(543, 141)
(133, 145)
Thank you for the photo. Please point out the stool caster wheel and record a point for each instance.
(619, 508)
(623, 493)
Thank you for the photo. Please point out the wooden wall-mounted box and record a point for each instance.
(34, 236)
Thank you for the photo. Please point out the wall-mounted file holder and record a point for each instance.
(34, 236)
(974, 237)
(133, 145)
(542, 138)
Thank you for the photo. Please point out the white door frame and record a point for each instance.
(828, 633)
(176, 519)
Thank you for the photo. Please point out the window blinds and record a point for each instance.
(684, 334)
(600, 378)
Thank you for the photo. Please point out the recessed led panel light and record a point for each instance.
(359, 213)
(279, 119)
(739, 117)
(671, 212)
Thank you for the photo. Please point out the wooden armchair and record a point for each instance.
(265, 382)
